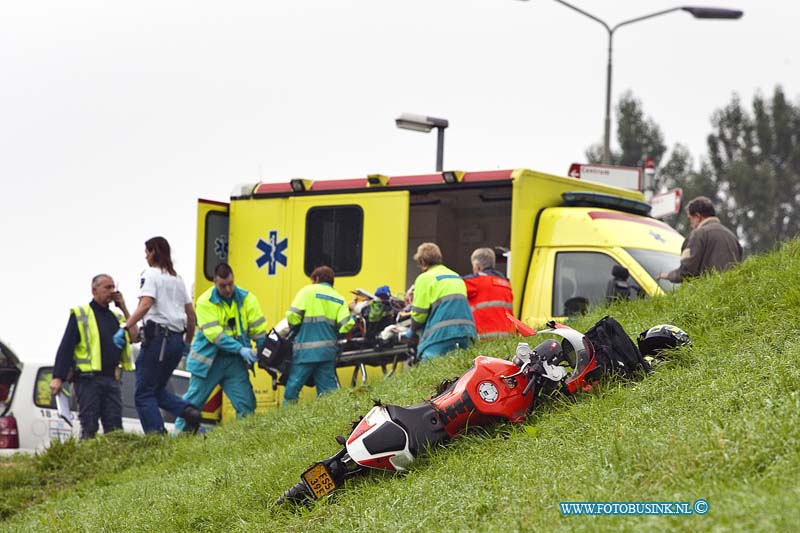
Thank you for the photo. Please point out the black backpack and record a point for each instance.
(276, 358)
(616, 352)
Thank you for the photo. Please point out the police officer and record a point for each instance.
(169, 326)
(88, 351)
(229, 318)
(489, 295)
(319, 314)
(440, 315)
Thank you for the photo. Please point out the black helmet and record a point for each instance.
(661, 337)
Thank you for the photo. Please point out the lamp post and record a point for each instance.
(696, 12)
(409, 121)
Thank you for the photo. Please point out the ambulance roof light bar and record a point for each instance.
(377, 180)
(300, 185)
(452, 176)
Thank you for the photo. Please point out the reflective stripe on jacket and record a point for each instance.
(322, 314)
(440, 302)
(88, 357)
(490, 298)
(225, 327)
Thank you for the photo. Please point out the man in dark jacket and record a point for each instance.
(710, 245)
(89, 358)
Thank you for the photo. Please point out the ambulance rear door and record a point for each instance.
(212, 242)
(212, 248)
(362, 236)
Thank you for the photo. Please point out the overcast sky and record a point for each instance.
(115, 117)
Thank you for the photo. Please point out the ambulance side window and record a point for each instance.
(334, 238)
(580, 280)
(216, 244)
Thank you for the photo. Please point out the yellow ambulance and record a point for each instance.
(564, 237)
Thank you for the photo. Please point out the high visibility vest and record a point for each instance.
(490, 298)
(88, 357)
(440, 302)
(322, 314)
(224, 326)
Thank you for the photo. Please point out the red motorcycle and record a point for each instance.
(389, 437)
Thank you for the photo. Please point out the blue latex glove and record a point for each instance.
(119, 339)
(248, 355)
(409, 334)
(186, 349)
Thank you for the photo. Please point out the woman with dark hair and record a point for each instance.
(159, 248)
(168, 330)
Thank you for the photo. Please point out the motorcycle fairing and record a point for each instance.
(379, 442)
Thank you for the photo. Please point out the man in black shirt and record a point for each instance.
(87, 355)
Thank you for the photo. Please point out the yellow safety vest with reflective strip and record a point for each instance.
(322, 314)
(87, 353)
(224, 326)
(440, 302)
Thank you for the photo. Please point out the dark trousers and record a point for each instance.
(152, 376)
(99, 397)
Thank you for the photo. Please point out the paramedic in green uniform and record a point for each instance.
(319, 314)
(229, 321)
(440, 313)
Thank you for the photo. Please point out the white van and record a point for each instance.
(29, 418)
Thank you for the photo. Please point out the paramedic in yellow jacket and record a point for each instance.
(319, 314)
(440, 313)
(229, 320)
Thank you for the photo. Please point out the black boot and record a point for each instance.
(192, 416)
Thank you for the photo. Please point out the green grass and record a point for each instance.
(719, 421)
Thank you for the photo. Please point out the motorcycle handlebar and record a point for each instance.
(534, 374)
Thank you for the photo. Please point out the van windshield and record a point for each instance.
(655, 263)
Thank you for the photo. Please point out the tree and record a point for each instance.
(678, 172)
(752, 170)
(754, 161)
(638, 137)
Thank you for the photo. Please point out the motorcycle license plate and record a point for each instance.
(319, 480)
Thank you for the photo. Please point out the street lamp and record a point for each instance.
(409, 121)
(696, 12)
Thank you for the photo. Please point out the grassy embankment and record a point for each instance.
(719, 421)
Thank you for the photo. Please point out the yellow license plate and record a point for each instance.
(319, 480)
